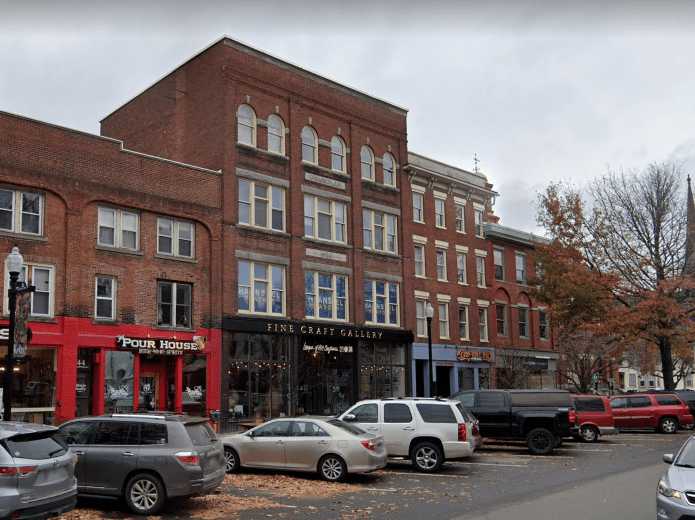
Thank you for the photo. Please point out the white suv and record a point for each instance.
(428, 431)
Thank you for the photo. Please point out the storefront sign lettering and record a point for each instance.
(343, 349)
(317, 330)
(166, 347)
(468, 356)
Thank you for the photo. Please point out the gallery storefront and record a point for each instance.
(519, 368)
(276, 368)
(454, 368)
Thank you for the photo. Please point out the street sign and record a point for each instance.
(21, 331)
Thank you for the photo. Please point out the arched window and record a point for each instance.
(309, 145)
(367, 162)
(276, 134)
(246, 125)
(337, 154)
(389, 170)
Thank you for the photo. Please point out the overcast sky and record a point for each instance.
(539, 91)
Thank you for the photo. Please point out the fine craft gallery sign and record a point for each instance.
(165, 347)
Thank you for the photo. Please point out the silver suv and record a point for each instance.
(145, 458)
(37, 472)
(427, 431)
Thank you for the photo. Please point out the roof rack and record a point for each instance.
(437, 398)
(141, 415)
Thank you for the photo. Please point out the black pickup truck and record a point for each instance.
(540, 417)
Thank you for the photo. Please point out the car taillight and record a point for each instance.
(189, 458)
(369, 444)
(463, 433)
(17, 470)
(476, 429)
(573, 416)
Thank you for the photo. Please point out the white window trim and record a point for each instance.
(518, 254)
(422, 209)
(528, 320)
(282, 136)
(479, 210)
(343, 155)
(436, 256)
(440, 321)
(384, 214)
(424, 260)
(484, 311)
(269, 209)
(51, 289)
(334, 303)
(494, 264)
(334, 222)
(17, 213)
(388, 304)
(439, 197)
(441, 244)
(423, 297)
(372, 168)
(114, 293)
(253, 126)
(174, 285)
(269, 289)
(459, 203)
(417, 188)
(118, 228)
(465, 267)
(393, 171)
(315, 145)
(547, 324)
(466, 306)
(477, 272)
(420, 240)
(175, 223)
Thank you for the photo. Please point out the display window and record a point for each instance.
(33, 386)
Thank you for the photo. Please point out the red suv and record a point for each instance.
(664, 413)
(594, 417)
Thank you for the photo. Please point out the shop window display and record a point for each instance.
(194, 388)
(33, 392)
(118, 381)
(382, 370)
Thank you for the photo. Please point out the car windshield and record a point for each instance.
(347, 427)
(686, 458)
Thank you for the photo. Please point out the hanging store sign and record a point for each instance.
(472, 356)
(159, 346)
(323, 330)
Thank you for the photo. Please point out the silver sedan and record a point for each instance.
(327, 446)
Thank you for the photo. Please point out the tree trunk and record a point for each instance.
(666, 363)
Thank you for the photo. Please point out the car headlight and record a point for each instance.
(665, 490)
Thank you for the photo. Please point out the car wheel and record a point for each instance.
(588, 433)
(332, 468)
(145, 494)
(427, 457)
(540, 441)
(231, 460)
(668, 425)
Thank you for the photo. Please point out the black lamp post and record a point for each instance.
(430, 313)
(15, 262)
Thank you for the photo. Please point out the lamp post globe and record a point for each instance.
(15, 261)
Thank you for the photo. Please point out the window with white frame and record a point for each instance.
(379, 231)
(418, 207)
(543, 329)
(246, 125)
(105, 298)
(461, 260)
(367, 163)
(118, 228)
(261, 205)
(310, 150)
(439, 212)
(174, 304)
(419, 260)
(479, 222)
(175, 237)
(261, 288)
(337, 154)
(632, 380)
(381, 302)
(463, 322)
(276, 134)
(520, 261)
(21, 211)
(482, 323)
(325, 219)
(501, 318)
(480, 270)
(41, 300)
(523, 322)
(441, 264)
(389, 166)
(326, 296)
(461, 218)
(443, 320)
(498, 259)
(421, 317)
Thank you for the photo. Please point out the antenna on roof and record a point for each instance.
(476, 162)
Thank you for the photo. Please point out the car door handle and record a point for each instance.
(409, 428)
(128, 454)
(279, 442)
(323, 442)
(373, 429)
(78, 452)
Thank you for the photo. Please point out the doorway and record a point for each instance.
(153, 386)
(443, 381)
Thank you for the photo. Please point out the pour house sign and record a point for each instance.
(165, 347)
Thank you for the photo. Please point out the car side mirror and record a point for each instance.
(348, 417)
(668, 458)
(251, 434)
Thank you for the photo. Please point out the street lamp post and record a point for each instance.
(430, 313)
(15, 262)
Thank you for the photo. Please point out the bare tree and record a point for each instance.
(585, 358)
(512, 370)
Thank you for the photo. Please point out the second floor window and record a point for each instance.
(520, 260)
(325, 296)
(461, 276)
(418, 207)
(379, 231)
(21, 211)
(261, 288)
(367, 163)
(381, 302)
(421, 317)
(480, 270)
(543, 329)
(443, 320)
(441, 265)
(498, 258)
(261, 205)
(118, 228)
(246, 125)
(460, 218)
(41, 300)
(501, 316)
(174, 304)
(105, 298)
(463, 322)
(523, 322)
(325, 219)
(175, 237)
(482, 323)
(337, 154)
(439, 213)
(310, 150)
(419, 260)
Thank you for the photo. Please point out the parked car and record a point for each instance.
(674, 498)
(687, 396)
(593, 417)
(540, 417)
(330, 447)
(427, 431)
(37, 477)
(664, 413)
(145, 458)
